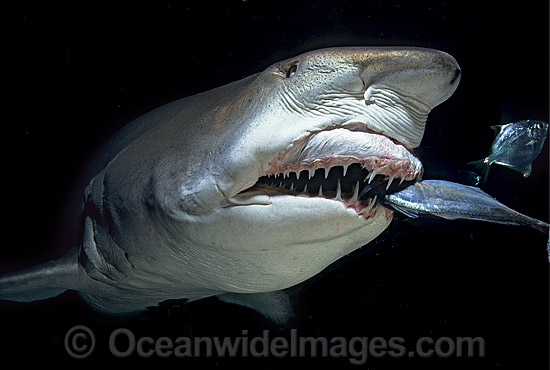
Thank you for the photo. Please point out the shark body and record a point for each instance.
(227, 192)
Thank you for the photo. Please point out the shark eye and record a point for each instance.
(291, 71)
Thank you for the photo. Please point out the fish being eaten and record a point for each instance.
(453, 201)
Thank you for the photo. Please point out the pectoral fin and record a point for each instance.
(42, 281)
(275, 305)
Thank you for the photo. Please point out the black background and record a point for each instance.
(75, 74)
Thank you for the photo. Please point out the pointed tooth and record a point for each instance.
(305, 189)
(355, 192)
(311, 172)
(327, 170)
(401, 180)
(372, 174)
(345, 168)
(366, 210)
(298, 175)
(390, 181)
(291, 186)
(372, 202)
(339, 190)
(321, 191)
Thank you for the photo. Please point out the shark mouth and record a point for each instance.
(354, 166)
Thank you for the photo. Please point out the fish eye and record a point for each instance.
(539, 126)
(291, 71)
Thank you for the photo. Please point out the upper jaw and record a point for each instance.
(344, 165)
(343, 147)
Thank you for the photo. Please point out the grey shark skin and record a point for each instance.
(173, 211)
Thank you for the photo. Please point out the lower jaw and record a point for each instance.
(365, 207)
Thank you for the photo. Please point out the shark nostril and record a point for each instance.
(456, 76)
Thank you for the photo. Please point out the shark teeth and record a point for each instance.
(352, 184)
(339, 191)
(370, 177)
(353, 166)
(371, 206)
(339, 179)
(390, 180)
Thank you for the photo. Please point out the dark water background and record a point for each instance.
(74, 75)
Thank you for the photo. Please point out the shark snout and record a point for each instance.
(428, 76)
(401, 87)
(456, 77)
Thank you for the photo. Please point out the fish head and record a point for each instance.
(538, 130)
(517, 144)
(334, 120)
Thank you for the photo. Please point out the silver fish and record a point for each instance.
(453, 201)
(516, 146)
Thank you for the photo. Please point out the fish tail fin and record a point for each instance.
(541, 226)
(481, 167)
(41, 281)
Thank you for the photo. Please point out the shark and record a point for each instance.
(250, 188)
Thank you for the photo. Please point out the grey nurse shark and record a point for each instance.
(230, 192)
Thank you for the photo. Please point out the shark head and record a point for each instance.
(251, 187)
(300, 154)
